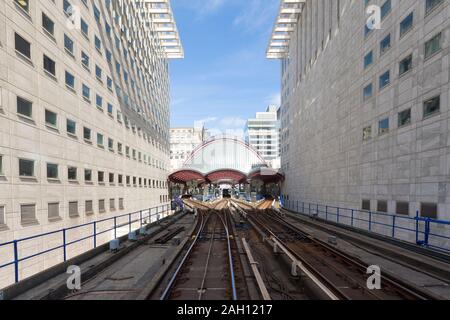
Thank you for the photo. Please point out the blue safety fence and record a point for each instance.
(426, 232)
(63, 240)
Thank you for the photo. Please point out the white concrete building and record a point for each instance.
(263, 134)
(365, 112)
(84, 118)
(182, 142)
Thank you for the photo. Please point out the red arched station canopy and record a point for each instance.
(266, 175)
(226, 175)
(186, 175)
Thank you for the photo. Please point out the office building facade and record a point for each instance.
(84, 116)
(263, 134)
(364, 112)
(182, 142)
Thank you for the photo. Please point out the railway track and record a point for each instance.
(207, 269)
(192, 203)
(342, 276)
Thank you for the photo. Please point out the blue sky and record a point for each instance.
(224, 78)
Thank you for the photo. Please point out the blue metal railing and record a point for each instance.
(426, 232)
(144, 217)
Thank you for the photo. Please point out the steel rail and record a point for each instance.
(320, 280)
(390, 279)
(200, 293)
(230, 259)
(181, 264)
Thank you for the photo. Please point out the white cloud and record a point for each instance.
(233, 122)
(274, 99)
(202, 122)
(257, 14)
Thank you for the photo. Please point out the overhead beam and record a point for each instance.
(285, 23)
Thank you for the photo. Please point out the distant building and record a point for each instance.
(263, 135)
(182, 142)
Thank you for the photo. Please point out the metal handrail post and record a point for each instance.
(129, 222)
(95, 234)
(16, 261)
(353, 213)
(115, 227)
(393, 226)
(64, 245)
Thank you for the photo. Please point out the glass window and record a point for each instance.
(382, 206)
(111, 177)
(433, 45)
(99, 139)
(385, 79)
(383, 126)
(84, 28)
(402, 208)
(101, 176)
(98, 72)
(71, 126)
(51, 118)
(365, 205)
(87, 175)
(72, 173)
(86, 92)
(431, 106)
(26, 168)
(428, 210)
(67, 7)
(110, 144)
(68, 44)
(110, 109)
(367, 133)
(98, 43)
(406, 24)
(48, 24)
(99, 101)
(23, 4)
(49, 65)
(52, 171)
(84, 59)
(368, 59)
(70, 80)
(404, 118)
(385, 44)
(24, 107)
(109, 83)
(405, 65)
(368, 91)
(386, 8)
(23, 46)
(87, 133)
(431, 4)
